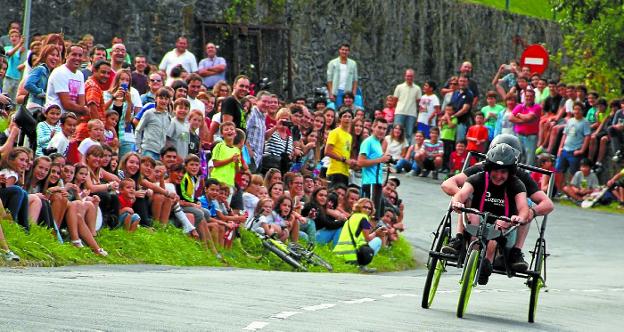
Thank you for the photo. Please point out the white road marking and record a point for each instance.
(254, 326)
(357, 301)
(285, 314)
(319, 307)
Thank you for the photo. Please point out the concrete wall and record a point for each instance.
(431, 36)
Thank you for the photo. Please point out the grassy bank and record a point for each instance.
(611, 208)
(168, 246)
(535, 8)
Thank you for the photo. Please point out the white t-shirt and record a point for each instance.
(63, 80)
(394, 148)
(172, 59)
(250, 201)
(197, 104)
(344, 72)
(216, 118)
(60, 142)
(427, 107)
(86, 144)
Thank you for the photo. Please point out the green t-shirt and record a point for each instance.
(447, 133)
(496, 109)
(225, 173)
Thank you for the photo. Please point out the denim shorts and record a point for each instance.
(567, 161)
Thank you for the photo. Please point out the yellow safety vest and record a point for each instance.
(345, 246)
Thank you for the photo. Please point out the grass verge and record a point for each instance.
(535, 8)
(611, 208)
(168, 246)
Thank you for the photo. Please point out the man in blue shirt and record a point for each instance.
(371, 160)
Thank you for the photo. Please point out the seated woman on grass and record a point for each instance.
(129, 168)
(74, 214)
(103, 184)
(75, 179)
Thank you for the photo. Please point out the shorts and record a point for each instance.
(429, 164)
(567, 161)
(198, 214)
(134, 218)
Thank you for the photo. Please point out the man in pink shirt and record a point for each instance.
(526, 124)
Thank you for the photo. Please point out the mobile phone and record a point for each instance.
(124, 86)
(507, 67)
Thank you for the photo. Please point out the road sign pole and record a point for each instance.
(26, 28)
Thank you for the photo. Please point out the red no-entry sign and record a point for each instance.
(536, 57)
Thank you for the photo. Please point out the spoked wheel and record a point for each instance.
(468, 278)
(317, 260)
(536, 282)
(285, 257)
(436, 268)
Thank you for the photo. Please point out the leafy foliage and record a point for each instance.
(168, 246)
(593, 43)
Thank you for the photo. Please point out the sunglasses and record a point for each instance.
(154, 81)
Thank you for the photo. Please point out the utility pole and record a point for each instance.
(507, 5)
(26, 28)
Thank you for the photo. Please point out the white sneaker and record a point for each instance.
(77, 243)
(101, 252)
(10, 256)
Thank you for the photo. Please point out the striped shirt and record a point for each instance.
(275, 145)
(433, 149)
(44, 135)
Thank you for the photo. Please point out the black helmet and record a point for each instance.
(502, 156)
(510, 140)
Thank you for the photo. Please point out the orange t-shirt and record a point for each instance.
(94, 94)
(480, 133)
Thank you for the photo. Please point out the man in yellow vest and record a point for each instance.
(357, 244)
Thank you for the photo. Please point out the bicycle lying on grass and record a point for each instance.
(294, 254)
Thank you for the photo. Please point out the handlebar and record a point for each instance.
(484, 214)
(520, 165)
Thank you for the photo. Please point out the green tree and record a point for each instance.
(593, 43)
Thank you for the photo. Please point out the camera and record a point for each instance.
(8, 107)
(287, 124)
(392, 161)
(49, 150)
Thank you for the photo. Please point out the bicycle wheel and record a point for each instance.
(436, 268)
(318, 261)
(284, 256)
(536, 282)
(467, 282)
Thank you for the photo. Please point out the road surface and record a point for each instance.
(585, 290)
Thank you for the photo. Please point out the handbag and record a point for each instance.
(364, 253)
(281, 162)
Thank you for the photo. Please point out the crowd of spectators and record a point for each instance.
(98, 138)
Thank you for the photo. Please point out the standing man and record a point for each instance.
(465, 70)
(179, 56)
(139, 79)
(371, 161)
(231, 108)
(526, 118)
(109, 51)
(338, 149)
(66, 86)
(462, 101)
(98, 52)
(408, 95)
(342, 76)
(94, 97)
(194, 83)
(212, 68)
(256, 126)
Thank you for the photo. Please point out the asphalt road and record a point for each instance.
(585, 291)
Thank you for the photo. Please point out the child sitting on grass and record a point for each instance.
(96, 136)
(583, 183)
(457, 158)
(127, 217)
(46, 129)
(110, 129)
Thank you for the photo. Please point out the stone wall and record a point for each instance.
(431, 36)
